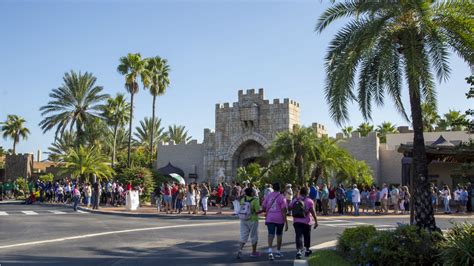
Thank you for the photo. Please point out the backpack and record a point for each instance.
(299, 209)
(245, 210)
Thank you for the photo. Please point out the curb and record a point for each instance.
(326, 245)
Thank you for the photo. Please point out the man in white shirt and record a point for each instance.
(355, 199)
(394, 196)
(384, 197)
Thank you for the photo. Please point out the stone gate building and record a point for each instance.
(242, 132)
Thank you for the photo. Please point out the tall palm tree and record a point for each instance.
(159, 80)
(178, 134)
(385, 42)
(384, 129)
(14, 128)
(133, 67)
(347, 131)
(144, 131)
(430, 116)
(116, 116)
(74, 104)
(83, 162)
(364, 129)
(453, 120)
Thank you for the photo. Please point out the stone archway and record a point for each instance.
(245, 150)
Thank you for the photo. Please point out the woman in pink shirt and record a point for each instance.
(304, 217)
(274, 205)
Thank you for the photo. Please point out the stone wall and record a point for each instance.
(364, 149)
(188, 157)
(390, 165)
(19, 165)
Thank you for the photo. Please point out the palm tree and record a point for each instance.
(62, 145)
(73, 104)
(132, 67)
(347, 131)
(83, 162)
(364, 129)
(116, 116)
(430, 116)
(178, 134)
(158, 69)
(384, 129)
(453, 121)
(328, 157)
(14, 128)
(144, 131)
(295, 147)
(385, 42)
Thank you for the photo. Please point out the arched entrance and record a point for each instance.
(246, 150)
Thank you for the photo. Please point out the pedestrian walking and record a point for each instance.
(204, 197)
(288, 196)
(355, 199)
(394, 197)
(275, 208)
(249, 209)
(235, 195)
(76, 197)
(220, 195)
(340, 196)
(384, 198)
(446, 194)
(304, 217)
(325, 199)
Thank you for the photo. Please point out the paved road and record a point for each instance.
(56, 235)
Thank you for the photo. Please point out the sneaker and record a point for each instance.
(270, 256)
(239, 254)
(278, 254)
(255, 255)
(307, 253)
(298, 255)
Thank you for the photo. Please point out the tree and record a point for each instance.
(452, 120)
(295, 147)
(384, 129)
(430, 116)
(159, 71)
(364, 129)
(470, 95)
(385, 42)
(84, 162)
(144, 131)
(14, 128)
(116, 116)
(61, 145)
(328, 158)
(133, 67)
(178, 134)
(74, 104)
(347, 131)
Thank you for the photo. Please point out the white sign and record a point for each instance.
(132, 201)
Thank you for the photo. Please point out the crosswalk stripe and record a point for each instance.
(56, 212)
(79, 211)
(3, 213)
(29, 212)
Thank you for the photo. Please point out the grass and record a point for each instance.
(327, 257)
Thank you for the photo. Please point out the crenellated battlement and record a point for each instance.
(250, 96)
(172, 143)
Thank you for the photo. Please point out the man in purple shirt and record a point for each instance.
(274, 205)
(303, 220)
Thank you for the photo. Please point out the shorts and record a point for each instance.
(249, 229)
(272, 227)
(167, 198)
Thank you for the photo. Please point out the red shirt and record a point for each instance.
(220, 191)
(174, 190)
(129, 187)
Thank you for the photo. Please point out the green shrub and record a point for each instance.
(46, 178)
(138, 176)
(327, 257)
(353, 240)
(457, 247)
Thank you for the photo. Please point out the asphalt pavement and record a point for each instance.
(57, 235)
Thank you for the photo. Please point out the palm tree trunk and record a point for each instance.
(424, 216)
(152, 128)
(130, 130)
(114, 146)
(14, 146)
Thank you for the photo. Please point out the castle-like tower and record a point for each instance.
(242, 133)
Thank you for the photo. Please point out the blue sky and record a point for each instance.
(214, 49)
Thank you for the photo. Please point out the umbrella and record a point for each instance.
(178, 178)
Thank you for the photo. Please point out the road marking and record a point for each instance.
(56, 212)
(79, 211)
(3, 213)
(29, 212)
(113, 233)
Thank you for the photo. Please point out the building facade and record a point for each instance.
(242, 132)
